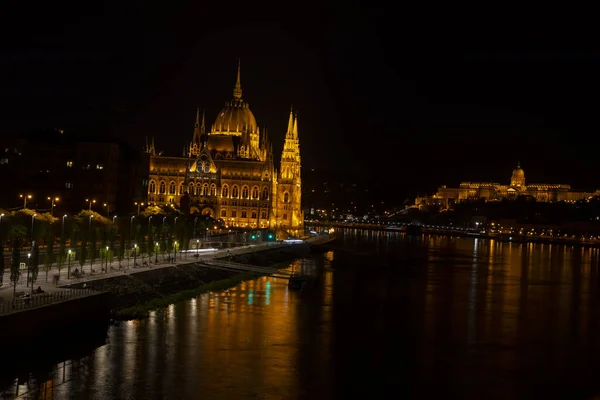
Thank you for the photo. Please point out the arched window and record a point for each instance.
(284, 216)
(255, 192)
(265, 193)
(191, 189)
(181, 188)
(172, 187)
(213, 190)
(225, 191)
(198, 189)
(263, 215)
(235, 192)
(152, 187)
(253, 214)
(162, 187)
(286, 197)
(244, 192)
(223, 213)
(234, 213)
(205, 189)
(244, 214)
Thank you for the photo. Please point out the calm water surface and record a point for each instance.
(393, 316)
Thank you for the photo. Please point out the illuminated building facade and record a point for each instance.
(543, 192)
(228, 171)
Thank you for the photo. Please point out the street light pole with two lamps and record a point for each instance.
(53, 200)
(25, 197)
(90, 201)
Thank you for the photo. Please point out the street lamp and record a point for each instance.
(53, 199)
(32, 220)
(114, 217)
(106, 265)
(134, 255)
(107, 209)
(28, 262)
(197, 247)
(138, 206)
(90, 201)
(25, 197)
(175, 251)
(156, 253)
(69, 264)
(63, 227)
(131, 226)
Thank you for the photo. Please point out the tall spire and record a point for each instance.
(290, 128)
(202, 127)
(295, 130)
(237, 90)
(196, 137)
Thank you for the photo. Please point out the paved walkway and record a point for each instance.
(6, 291)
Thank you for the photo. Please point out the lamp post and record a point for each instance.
(131, 227)
(197, 247)
(62, 234)
(114, 217)
(53, 199)
(138, 206)
(69, 264)
(25, 197)
(32, 220)
(134, 255)
(28, 262)
(90, 201)
(156, 253)
(106, 265)
(107, 209)
(175, 251)
(90, 223)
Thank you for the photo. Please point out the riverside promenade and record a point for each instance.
(127, 267)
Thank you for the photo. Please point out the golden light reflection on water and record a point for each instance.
(486, 309)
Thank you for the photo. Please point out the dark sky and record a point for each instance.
(427, 98)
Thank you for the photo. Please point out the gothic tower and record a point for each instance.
(289, 213)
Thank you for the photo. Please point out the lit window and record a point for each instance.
(69, 164)
(99, 166)
(69, 185)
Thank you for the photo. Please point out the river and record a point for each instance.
(393, 316)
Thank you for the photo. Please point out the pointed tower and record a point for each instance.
(196, 138)
(289, 215)
(237, 89)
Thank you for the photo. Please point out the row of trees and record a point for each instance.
(90, 237)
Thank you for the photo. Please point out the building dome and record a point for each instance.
(234, 119)
(518, 177)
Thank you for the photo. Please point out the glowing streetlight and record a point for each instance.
(138, 206)
(90, 201)
(25, 197)
(53, 200)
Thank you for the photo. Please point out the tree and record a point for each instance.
(121, 248)
(35, 263)
(49, 257)
(150, 244)
(82, 252)
(15, 272)
(61, 253)
(92, 254)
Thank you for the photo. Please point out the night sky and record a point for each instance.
(427, 99)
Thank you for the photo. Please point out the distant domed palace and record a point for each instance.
(228, 171)
(544, 192)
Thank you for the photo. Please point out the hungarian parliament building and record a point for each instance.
(491, 191)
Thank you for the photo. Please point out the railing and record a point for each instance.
(25, 302)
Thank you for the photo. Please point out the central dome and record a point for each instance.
(235, 118)
(518, 177)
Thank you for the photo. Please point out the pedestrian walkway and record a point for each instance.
(191, 256)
